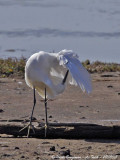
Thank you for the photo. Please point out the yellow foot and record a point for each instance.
(46, 130)
(29, 126)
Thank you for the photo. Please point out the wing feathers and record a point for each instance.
(78, 72)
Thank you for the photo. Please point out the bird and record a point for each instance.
(50, 73)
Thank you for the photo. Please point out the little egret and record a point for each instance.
(48, 74)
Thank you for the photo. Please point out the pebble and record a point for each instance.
(5, 146)
(1, 110)
(89, 147)
(65, 153)
(52, 148)
(20, 83)
(6, 155)
(46, 142)
(55, 121)
(82, 118)
(35, 153)
(110, 86)
(17, 148)
(81, 106)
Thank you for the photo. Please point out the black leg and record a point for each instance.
(30, 124)
(46, 122)
(34, 102)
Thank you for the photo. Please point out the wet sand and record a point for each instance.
(102, 106)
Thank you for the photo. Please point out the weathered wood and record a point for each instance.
(63, 130)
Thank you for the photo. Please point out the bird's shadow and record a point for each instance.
(87, 131)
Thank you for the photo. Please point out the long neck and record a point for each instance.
(60, 87)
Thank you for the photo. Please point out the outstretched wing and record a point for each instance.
(70, 60)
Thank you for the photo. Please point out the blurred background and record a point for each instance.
(90, 28)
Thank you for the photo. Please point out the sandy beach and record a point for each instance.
(80, 126)
(102, 106)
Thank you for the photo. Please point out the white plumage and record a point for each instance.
(48, 73)
(45, 69)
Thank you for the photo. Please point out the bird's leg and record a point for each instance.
(29, 126)
(65, 78)
(46, 122)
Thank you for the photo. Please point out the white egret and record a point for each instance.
(48, 74)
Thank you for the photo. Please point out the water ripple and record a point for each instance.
(46, 32)
(30, 3)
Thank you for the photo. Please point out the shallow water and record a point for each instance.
(90, 28)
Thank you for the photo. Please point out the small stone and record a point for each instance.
(110, 86)
(55, 121)
(82, 118)
(46, 142)
(6, 155)
(1, 110)
(81, 106)
(22, 156)
(62, 147)
(35, 153)
(5, 146)
(65, 153)
(17, 148)
(52, 148)
(20, 83)
(89, 147)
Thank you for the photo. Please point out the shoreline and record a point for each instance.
(13, 67)
(16, 100)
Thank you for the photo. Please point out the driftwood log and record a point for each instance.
(61, 130)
